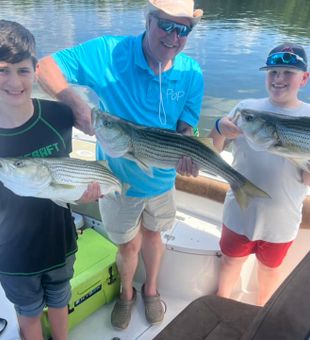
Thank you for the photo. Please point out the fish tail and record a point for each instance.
(246, 191)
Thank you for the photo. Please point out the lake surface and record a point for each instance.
(230, 43)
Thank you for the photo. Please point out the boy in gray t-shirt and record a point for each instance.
(266, 227)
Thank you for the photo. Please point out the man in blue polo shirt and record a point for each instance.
(146, 80)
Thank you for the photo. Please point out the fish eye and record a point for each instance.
(19, 164)
(107, 123)
(249, 118)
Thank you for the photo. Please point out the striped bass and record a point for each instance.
(63, 180)
(152, 147)
(283, 135)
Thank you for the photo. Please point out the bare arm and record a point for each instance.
(54, 83)
(50, 77)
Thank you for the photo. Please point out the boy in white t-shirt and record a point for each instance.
(266, 227)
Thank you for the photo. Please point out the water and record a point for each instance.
(231, 42)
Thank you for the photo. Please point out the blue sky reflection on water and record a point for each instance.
(230, 43)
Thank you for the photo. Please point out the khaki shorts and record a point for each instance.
(122, 215)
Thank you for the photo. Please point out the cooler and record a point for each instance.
(96, 280)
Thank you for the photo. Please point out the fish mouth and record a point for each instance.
(3, 165)
(94, 115)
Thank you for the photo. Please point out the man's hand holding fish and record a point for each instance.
(91, 194)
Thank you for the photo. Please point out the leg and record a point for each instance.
(235, 249)
(270, 257)
(30, 327)
(152, 252)
(58, 319)
(229, 274)
(158, 215)
(121, 218)
(27, 295)
(127, 262)
(57, 295)
(268, 282)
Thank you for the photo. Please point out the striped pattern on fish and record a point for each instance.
(287, 136)
(152, 147)
(76, 171)
(63, 180)
(164, 150)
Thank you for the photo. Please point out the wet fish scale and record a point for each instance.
(169, 148)
(63, 180)
(293, 135)
(65, 172)
(152, 147)
(288, 135)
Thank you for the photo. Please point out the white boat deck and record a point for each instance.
(98, 326)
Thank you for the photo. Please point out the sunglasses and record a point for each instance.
(284, 58)
(169, 26)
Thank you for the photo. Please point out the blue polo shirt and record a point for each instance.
(116, 69)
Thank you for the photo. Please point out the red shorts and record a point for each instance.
(236, 245)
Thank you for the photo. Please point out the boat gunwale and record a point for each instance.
(215, 189)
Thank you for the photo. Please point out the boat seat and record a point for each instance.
(285, 316)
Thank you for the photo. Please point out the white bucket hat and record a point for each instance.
(176, 8)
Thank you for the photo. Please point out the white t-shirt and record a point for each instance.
(273, 220)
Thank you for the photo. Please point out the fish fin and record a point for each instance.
(246, 191)
(104, 163)
(143, 166)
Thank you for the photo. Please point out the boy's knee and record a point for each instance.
(231, 261)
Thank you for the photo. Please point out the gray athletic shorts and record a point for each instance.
(30, 294)
(122, 215)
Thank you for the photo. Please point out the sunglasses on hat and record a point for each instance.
(169, 26)
(284, 58)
